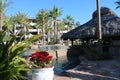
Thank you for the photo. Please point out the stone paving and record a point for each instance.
(95, 70)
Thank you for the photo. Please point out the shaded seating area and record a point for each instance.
(88, 32)
(110, 27)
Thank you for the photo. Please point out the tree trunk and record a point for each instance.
(55, 31)
(1, 16)
(43, 31)
(48, 38)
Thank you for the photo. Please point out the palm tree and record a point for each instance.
(77, 24)
(49, 31)
(61, 26)
(69, 21)
(7, 23)
(42, 19)
(3, 6)
(20, 20)
(54, 13)
(118, 3)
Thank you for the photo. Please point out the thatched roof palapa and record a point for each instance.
(110, 26)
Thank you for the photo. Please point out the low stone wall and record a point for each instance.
(114, 50)
(58, 53)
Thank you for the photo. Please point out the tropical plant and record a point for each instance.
(61, 26)
(20, 20)
(54, 13)
(4, 4)
(11, 63)
(49, 31)
(118, 4)
(69, 21)
(42, 19)
(77, 24)
(7, 23)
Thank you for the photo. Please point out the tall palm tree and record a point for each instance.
(49, 31)
(55, 13)
(69, 21)
(20, 20)
(7, 23)
(42, 18)
(77, 24)
(61, 26)
(3, 6)
(118, 4)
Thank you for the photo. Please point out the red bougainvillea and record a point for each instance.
(40, 59)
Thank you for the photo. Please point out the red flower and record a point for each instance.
(49, 57)
(41, 58)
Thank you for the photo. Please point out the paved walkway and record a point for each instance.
(64, 76)
(95, 70)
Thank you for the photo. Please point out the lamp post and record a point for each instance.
(99, 21)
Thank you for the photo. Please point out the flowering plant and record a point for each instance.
(40, 59)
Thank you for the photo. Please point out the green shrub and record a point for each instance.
(11, 64)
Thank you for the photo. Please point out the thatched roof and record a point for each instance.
(110, 26)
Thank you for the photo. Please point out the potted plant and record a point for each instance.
(41, 65)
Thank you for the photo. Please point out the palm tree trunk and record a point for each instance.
(43, 33)
(1, 16)
(48, 38)
(55, 31)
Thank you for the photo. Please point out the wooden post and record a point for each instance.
(99, 22)
(56, 54)
(72, 42)
(99, 27)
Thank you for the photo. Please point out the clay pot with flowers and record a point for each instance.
(41, 65)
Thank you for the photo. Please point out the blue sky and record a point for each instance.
(80, 10)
